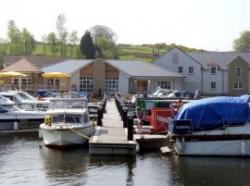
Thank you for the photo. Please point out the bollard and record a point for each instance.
(100, 107)
(99, 117)
(125, 117)
(130, 125)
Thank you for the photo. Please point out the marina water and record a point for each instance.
(25, 161)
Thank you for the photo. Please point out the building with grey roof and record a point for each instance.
(109, 76)
(214, 73)
(38, 61)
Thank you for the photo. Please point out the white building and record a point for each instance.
(214, 73)
(111, 76)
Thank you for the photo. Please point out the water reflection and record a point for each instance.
(119, 163)
(23, 161)
(210, 171)
(64, 162)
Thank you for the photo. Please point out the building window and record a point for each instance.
(238, 85)
(15, 81)
(190, 70)
(50, 83)
(213, 70)
(57, 82)
(180, 69)
(213, 85)
(112, 83)
(238, 71)
(164, 84)
(86, 84)
(26, 81)
(175, 58)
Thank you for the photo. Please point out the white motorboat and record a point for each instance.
(26, 101)
(213, 127)
(67, 123)
(14, 119)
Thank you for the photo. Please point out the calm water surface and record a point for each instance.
(23, 161)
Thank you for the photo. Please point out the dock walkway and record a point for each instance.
(111, 138)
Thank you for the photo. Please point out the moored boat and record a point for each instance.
(67, 123)
(14, 119)
(218, 126)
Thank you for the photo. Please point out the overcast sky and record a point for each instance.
(206, 24)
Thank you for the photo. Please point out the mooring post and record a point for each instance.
(99, 116)
(130, 116)
(125, 117)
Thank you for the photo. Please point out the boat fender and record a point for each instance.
(48, 120)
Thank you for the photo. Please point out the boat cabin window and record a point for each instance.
(68, 118)
(10, 97)
(23, 96)
(86, 118)
(10, 107)
(3, 110)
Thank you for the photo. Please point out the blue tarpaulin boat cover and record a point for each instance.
(210, 113)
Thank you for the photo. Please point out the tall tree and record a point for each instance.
(243, 42)
(104, 32)
(87, 46)
(52, 41)
(106, 48)
(104, 38)
(73, 39)
(28, 41)
(62, 33)
(15, 38)
(44, 44)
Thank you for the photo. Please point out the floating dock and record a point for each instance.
(111, 138)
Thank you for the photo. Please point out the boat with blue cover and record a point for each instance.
(218, 126)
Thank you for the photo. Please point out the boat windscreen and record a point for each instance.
(67, 118)
(68, 104)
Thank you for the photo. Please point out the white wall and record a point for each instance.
(75, 79)
(192, 81)
(221, 79)
(123, 82)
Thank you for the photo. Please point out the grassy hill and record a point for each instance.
(146, 52)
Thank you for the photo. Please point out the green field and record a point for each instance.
(146, 52)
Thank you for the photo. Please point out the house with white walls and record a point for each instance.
(213, 73)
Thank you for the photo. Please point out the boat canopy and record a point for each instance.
(211, 113)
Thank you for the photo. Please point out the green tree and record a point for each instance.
(104, 32)
(104, 38)
(73, 39)
(28, 41)
(15, 38)
(87, 46)
(44, 44)
(52, 42)
(107, 48)
(243, 42)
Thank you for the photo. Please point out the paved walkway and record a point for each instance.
(112, 134)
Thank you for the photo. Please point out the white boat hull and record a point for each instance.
(231, 141)
(56, 137)
(213, 148)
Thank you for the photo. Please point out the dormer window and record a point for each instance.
(213, 70)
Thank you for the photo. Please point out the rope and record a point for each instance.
(80, 134)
